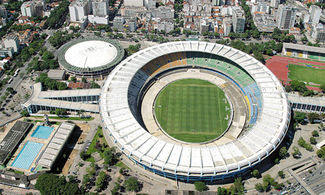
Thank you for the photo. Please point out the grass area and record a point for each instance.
(122, 165)
(307, 74)
(99, 137)
(192, 110)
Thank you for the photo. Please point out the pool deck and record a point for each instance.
(32, 139)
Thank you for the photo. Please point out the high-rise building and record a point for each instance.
(150, 4)
(135, 3)
(100, 8)
(78, 10)
(286, 17)
(238, 20)
(315, 13)
(227, 24)
(275, 3)
(318, 32)
(28, 9)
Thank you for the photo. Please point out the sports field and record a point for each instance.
(192, 110)
(307, 74)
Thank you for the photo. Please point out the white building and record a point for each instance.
(315, 13)
(261, 7)
(28, 9)
(286, 17)
(98, 20)
(166, 1)
(238, 20)
(12, 42)
(227, 23)
(78, 10)
(165, 25)
(100, 8)
(318, 32)
(135, 3)
(150, 4)
(275, 3)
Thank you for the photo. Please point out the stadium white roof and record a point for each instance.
(186, 159)
(91, 54)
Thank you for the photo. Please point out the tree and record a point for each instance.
(60, 112)
(312, 117)
(200, 186)
(110, 157)
(10, 90)
(73, 79)
(101, 180)
(51, 184)
(222, 191)
(259, 187)
(315, 133)
(296, 152)
(255, 173)
(312, 140)
(84, 80)
(322, 87)
(84, 155)
(321, 153)
(24, 113)
(283, 153)
(132, 184)
(281, 174)
(237, 187)
(299, 117)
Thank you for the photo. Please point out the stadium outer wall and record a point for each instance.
(190, 176)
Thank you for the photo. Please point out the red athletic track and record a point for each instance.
(279, 66)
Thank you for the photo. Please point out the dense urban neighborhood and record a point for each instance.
(163, 97)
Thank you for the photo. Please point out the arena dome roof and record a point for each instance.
(178, 160)
(87, 55)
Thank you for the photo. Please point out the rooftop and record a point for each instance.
(304, 47)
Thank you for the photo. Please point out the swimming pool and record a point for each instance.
(27, 155)
(42, 132)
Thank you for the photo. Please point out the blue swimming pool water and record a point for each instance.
(27, 155)
(42, 132)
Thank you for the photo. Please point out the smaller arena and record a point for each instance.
(90, 57)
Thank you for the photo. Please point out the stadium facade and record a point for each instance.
(90, 57)
(266, 121)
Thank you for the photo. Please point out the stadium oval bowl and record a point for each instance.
(91, 56)
(269, 114)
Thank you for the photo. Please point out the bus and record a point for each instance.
(10, 80)
(16, 72)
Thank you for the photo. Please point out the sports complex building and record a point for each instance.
(252, 108)
(303, 51)
(90, 57)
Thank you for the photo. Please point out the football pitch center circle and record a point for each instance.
(192, 110)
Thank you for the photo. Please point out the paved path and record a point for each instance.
(309, 190)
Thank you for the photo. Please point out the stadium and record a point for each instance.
(194, 110)
(90, 57)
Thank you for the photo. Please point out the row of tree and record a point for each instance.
(57, 15)
(48, 83)
(59, 38)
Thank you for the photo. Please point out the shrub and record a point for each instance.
(200, 186)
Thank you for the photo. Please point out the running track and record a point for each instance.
(279, 66)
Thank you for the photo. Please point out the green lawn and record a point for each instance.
(192, 110)
(99, 137)
(307, 74)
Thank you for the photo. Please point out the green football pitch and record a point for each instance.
(192, 110)
(307, 74)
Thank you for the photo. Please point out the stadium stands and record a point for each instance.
(270, 112)
(221, 64)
